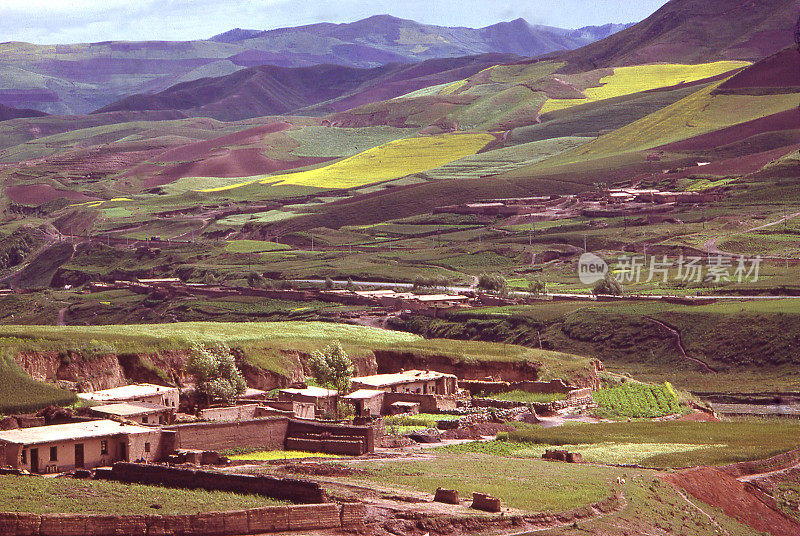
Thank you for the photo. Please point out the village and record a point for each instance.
(159, 434)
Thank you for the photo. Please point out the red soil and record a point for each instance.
(698, 416)
(231, 163)
(787, 120)
(38, 194)
(778, 71)
(737, 500)
(195, 151)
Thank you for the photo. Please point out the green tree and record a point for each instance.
(493, 283)
(536, 286)
(215, 373)
(608, 286)
(332, 368)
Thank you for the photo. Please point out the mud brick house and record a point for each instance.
(424, 382)
(324, 400)
(141, 392)
(136, 412)
(64, 447)
(433, 391)
(367, 402)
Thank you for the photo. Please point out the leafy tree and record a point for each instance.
(608, 286)
(256, 280)
(328, 283)
(535, 286)
(215, 372)
(493, 283)
(332, 367)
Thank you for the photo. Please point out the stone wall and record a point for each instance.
(268, 432)
(289, 489)
(235, 523)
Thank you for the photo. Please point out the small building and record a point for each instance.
(140, 392)
(64, 447)
(424, 382)
(138, 412)
(324, 400)
(367, 402)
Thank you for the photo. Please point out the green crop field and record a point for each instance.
(20, 393)
(637, 400)
(65, 495)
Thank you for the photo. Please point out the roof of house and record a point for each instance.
(398, 378)
(65, 432)
(364, 394)
(441, 297)
(312, 391)
(251, 393)
(127, 409)
(126, 392)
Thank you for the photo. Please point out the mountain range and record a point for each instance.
(79, 78)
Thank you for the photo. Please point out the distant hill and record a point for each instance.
(380, 38)
(271, 90)
(694, 31)
(6, 112)
(79, 78)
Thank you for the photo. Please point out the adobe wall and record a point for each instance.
(269, 432)
(298, 429)
(231, 413)
(289, 489)
(427, 403)
(236, 523)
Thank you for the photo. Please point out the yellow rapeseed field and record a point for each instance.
(629, 80)
(389, 161)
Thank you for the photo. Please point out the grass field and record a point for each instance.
(637, 78)
(721, 442)
(62, 495)
(389, 161)
(637, 400)
(526, 484)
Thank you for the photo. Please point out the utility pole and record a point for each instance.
(312, 242)
(585, 243)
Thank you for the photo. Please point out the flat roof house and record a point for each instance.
(64, 447)
(136, 412)
(324, 400)
(423, 382)
(140, 392)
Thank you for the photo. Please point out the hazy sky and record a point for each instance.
(71, 21)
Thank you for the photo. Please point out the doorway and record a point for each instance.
(34, 460)
(79, 461)
(123, 451)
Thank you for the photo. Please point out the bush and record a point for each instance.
(608, 286)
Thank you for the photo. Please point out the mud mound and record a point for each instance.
(698, 416)
(38, 194)
(779, 72)
(741, 502)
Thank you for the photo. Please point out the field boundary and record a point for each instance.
(234, 523)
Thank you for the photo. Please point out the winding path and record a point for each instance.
(677, 334)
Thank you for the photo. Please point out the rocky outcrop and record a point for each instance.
(93, 372)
